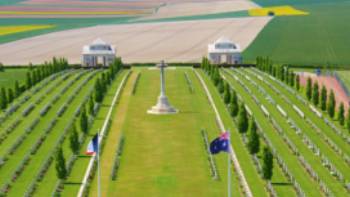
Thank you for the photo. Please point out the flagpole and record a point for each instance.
(229, 166)
(98, 165)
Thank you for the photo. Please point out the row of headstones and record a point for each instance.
(290, 144)
(327, 139)
(118, 154)
(189, 83)
(213, 169)
(269, 186)
(306, 165)
(236, 165)
(305, 102)
(60, 183)
(309, 143)
(36, 146)
(29, 129)
(18, 102)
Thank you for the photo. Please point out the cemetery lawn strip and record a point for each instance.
(255, 183)
(296, 169)
(48, 146)
(73, 182)
(34, 96)
(165, 154)
(327, 130)
(306, 128)
(47, 185)
(335, 186)
(8, 168)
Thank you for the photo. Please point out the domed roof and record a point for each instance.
(223, 40)
(99, 41)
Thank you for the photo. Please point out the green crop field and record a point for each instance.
(318, 38)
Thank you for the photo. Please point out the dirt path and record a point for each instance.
(111, 144)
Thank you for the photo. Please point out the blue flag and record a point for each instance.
(221, 143)
(93, 146)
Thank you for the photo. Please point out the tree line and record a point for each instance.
(100, 89)
(34, 75)
(319, 96)
(238, 111)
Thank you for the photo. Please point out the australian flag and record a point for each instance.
(93, 146)
(221, 143)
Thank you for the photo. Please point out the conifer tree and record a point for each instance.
(323, 98)
(309, 89)
(2, 68)
(253, 143)
(267, 164)
(3, 99)
(91, 106)
(331, 104)
(61, 170)
(29, 80)
(17, 89)
(98, 91)
(84, 121)
(297, 82)
(315, 94)
(10, 95)
(242, 119)
(227, 94)
(348, 120)
(74, 140)
(234, 104)
(221, 87)
(341, 116)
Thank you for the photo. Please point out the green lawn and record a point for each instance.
(9, 76)
(72, 185)
(326, 129)
(46, 187)
(307, 129)
(159, 149)
(319, 38)
(335, 186)
(307, 185)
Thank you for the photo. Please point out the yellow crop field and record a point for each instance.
(7, 30)
(276, 11)
(121, 12)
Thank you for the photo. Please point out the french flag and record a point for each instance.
(93, 146)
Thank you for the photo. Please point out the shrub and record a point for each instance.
(28, 110)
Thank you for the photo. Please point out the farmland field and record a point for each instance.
(322, 34)
(80, 124)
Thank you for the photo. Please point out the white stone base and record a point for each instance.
(162, 107)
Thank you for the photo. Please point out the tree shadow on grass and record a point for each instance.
(84, 156)
(282, 183)
(72, 183)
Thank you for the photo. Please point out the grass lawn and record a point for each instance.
(47, 185)
(335, 186)
(72, 185)
(307, 129)
(10, 75)
(254, 181)
(322, 35)
(48, 146)
(281, 186)
(164, 155)
(326, 129)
